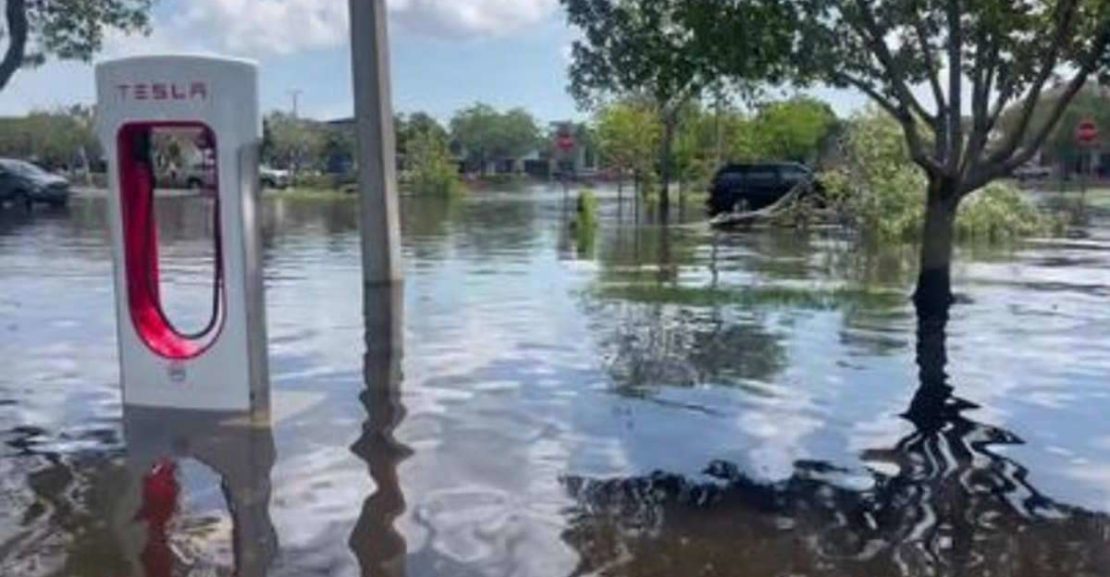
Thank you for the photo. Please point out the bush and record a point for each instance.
(881, 192)
(432, 172)
(587, 208)
(1000, 212)
(585, 224)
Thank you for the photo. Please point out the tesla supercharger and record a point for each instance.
(214, 103)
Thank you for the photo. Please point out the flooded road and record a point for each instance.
(539, 400)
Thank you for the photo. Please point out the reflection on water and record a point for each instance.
(237, 448)
(648, 401)
(375, 541)
(940, 501)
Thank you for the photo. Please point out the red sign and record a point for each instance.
(1086, 132)
(565, 142)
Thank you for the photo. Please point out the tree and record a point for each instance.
(68, 29)
(628, 135)
(432, 171)
(416, 124)
(643, 48)
(794, 129)
(999, 52)
(486, 135)
(293, 142)
(61, 138)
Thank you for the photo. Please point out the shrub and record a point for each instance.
(1000, 212)
(585, 224)
(587, 208)
(881, 192)
(433, 172)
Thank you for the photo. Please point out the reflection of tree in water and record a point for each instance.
(656, 345)
(663, 335)
(941, 501)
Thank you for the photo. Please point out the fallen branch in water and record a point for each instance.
(769, 213)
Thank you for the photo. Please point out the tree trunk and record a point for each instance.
(665, 165)
(15, 18)
(934, 283)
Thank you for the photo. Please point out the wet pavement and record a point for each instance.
(541, 400)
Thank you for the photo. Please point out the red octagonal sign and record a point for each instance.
(1086, 132)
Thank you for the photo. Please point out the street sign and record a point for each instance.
(1086, 133)
(565, 142)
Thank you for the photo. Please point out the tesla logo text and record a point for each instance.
(163, 91)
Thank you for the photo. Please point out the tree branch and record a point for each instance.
(986, 60)
(954, 131)
(930, 61)
(16, 15)
(899, 113)
(872, 34)
(1063, 29)
(1005, 165)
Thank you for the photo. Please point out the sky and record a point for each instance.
(446, 54)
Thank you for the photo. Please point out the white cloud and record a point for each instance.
(277, 27)
(468, 18)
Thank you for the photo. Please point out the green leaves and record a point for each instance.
(52, 138)
(793, 129)
(628, 135)
(293, 142)
(66, 29)
(487, 135)
(881, 192)
(431, 169)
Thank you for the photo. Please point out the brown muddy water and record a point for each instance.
(541, 401)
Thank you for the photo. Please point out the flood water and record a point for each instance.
(540, 401)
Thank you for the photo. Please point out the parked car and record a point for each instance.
(271, 177)
(754, 186)
(193, 177)
(1032, 172)
(24, 184)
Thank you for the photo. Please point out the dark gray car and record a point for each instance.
(754, 186)
(24, 184)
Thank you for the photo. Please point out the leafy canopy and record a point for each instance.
(486, 134)
(33, 30)
(628, 135)
(976, 58)
(646, 48)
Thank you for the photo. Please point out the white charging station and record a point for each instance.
(222, 367)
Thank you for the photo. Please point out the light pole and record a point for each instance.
(377, 178)
(295, 95)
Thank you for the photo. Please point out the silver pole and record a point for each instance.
(377, 178)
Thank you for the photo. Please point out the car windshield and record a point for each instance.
(22, 168)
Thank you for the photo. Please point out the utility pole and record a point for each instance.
(377, 178)
(295, 94)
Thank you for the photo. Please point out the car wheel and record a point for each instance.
(58, 203)
(23, 200)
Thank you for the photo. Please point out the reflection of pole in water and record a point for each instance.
(236, 446)
(375, 541)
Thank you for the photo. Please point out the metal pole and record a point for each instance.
(377, 179)
(295, 94)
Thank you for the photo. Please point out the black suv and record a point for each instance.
(24, 183)
(754, 186)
